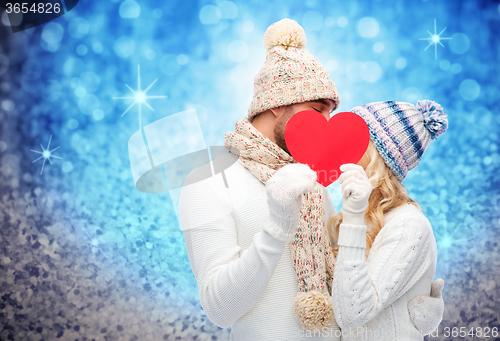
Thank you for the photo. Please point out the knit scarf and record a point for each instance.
(310, 249)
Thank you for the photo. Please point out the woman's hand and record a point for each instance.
(356, 190)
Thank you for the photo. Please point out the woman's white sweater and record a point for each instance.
(370, 294)
(245, 276)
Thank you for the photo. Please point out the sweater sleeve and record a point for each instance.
(362, 287)
(229, 281)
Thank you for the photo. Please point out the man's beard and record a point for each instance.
(279, 128)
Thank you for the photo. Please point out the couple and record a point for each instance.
(272, 257)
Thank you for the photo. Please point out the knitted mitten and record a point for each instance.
(426, 312)
(285, 191)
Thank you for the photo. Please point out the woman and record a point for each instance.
(386, 252)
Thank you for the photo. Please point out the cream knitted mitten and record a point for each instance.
(285, 191)
(426, 312)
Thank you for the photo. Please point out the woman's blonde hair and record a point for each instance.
(388, 193)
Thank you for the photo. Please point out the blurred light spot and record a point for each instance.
(459, 43)
(312, 21)
(53, 90)
(228, 10)
(8, 105)
(444, 65)
(88, 104)
(469, 90)
(378, 47)
(78, 28)
(4, 64)
(331, 65)
(169, 65)
(67, 167)
(150, 54)
(52, 33)
(3, 146)
(371, 72)
(124, 47)
(98, 115)
(111, 70)
(342, 22)
(412, 95)
(73, 124)
(32, 69)
(130, 9)
(157, 13)
(222, 25)
(16, 19)
(368, 27)
(80, 91)
(456, 68)
(237, 51)
(97, 47)
(353, 71)
(446, 242)
(487, 160)
(329, 21)
(248, 26)
(90, 81)
(401, 63)
(75, 82)
(81, 50)
(209, 15)
(182, 59)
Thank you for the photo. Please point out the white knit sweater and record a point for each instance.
(245, 276)
(370, 294)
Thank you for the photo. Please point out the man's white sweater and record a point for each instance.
(245, 276)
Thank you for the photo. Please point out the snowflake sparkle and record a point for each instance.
(46, 154)
(435, 39)
(94, 244)
(139, 96)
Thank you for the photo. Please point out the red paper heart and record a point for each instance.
(324, 144)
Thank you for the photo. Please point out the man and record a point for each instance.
(255, 272)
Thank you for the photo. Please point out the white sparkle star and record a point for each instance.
(46, 154)
(94, 244)
(435, 39)
(139, 96)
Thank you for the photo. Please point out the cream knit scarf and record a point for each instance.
(310, 249)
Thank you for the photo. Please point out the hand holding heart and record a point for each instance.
(356, 190)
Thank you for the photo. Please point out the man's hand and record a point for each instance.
(426, 312)
(284, 194)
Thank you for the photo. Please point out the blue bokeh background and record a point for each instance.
(85, 254)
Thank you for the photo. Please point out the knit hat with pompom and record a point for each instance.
(402, 131)
(290, 74)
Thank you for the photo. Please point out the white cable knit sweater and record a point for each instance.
(370, 295)
(245, 276)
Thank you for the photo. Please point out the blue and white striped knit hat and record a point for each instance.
(402, 131)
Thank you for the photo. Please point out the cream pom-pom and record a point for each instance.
(286, 33)
(313, 310)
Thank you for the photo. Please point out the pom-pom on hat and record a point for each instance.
(402, 131)
(291, 74)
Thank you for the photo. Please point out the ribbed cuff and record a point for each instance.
(275, 230)
(352, 235)
(264, 241)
